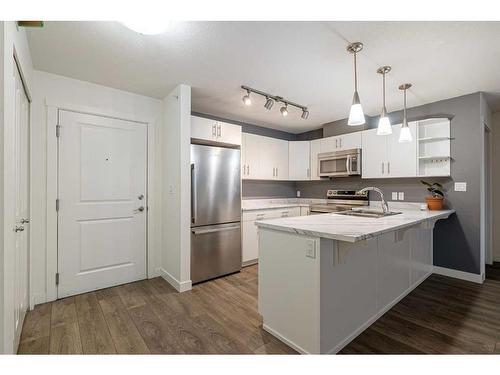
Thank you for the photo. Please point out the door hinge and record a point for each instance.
(57, 204)
(58, 130)
(57, 278)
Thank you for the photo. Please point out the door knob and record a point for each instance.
(18, 228)
(25, 221)
(140, 209)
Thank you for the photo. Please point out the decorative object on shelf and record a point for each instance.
(405, 134)
(384, 124)
(271, 99)
(356, 115)
(436, 199)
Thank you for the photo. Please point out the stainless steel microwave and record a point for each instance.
(340, 163)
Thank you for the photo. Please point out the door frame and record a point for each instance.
(53, 178)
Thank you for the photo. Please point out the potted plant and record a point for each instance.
(435, 200)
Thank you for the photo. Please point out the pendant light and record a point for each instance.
(405, 135)
(384, 124)
(356, 115)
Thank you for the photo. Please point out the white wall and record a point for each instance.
(176, 184)
(54, 90)
(13, 44)
(496, 186)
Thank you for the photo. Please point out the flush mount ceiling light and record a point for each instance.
(271, 99)
(356, 115)
(269, 103)
(384, 124)
(246, 99)
(405, 135)
(147, 27)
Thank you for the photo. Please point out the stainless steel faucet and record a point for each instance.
(385, 206)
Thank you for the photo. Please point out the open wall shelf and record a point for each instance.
(433, 148)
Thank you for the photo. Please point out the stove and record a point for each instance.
(340, 200)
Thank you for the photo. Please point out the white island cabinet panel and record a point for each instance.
(295, 289)
(299, 159)
(394, 266)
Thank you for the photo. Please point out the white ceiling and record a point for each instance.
(305, 62)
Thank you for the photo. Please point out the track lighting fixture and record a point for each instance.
(271, 99)
(284, 110)
(405, 135)
(356, 115)
(269, 103)
(384, 124)
(246, 98)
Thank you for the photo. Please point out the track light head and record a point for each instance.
(305, 114)
(246, 99)
(269, 103)
(284, 110)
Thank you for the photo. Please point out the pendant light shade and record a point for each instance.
(384, 124)
(356, 115)
(405, 135)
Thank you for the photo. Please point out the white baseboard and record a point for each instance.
(284, 339)
(178, 285)
(250, 262)
(467, 276)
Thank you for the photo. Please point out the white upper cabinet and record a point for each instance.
(341, 142)
(212, 130)
(264, 158)
(315, 150)
(299, 160)
(250, 156)
(385, 157)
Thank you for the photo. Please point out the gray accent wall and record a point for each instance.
(457, 242)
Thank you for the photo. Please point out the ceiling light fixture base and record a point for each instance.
(405, 86)
(384, 69)
(354, 47)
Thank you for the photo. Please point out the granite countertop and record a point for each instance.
(351, 228)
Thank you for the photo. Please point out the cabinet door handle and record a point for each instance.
(388, 167)
(248, 170)
(336, 143)
(214, 130)
(277, 171)
(382, 167)
(219, 130)
(340, 142)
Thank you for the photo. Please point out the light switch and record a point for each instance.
(311, 249)
(460, 186)
(298, 193)
(394, 195)
(401, 196)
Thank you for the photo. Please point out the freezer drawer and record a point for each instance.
(215, 251)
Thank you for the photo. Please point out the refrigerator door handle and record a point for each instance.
(213, 230)
(194, 202)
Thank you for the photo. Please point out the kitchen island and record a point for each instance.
(323, 279)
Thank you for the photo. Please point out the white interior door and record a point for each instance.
(22, 212)
(102, 202)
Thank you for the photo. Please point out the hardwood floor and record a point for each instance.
(149, 316)
(442, 315)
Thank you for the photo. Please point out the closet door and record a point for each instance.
(22, 205)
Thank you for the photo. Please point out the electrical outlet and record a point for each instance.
(401, 196)
(394, 195)
(460, 186)
(298, 193)
(311, 249)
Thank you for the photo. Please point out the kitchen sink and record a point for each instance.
(367, 213)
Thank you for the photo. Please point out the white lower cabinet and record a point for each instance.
(250, 240)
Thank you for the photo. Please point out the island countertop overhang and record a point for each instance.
(350, 228)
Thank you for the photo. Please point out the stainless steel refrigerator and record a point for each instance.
(215, 212)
